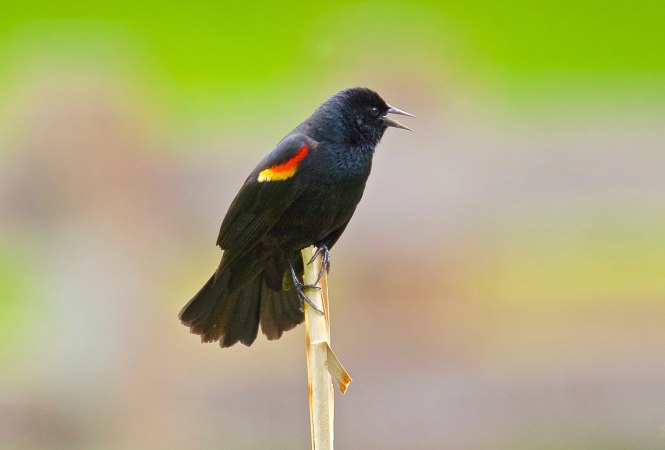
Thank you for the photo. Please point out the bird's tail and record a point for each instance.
(229, 311)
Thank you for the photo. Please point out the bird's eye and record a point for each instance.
(374, 111)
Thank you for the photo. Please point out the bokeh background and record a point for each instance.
(502, 285)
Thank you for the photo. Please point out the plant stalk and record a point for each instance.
(317, 339)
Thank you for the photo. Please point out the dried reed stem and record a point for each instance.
(321, 361)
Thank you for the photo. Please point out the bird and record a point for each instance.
(302, 193)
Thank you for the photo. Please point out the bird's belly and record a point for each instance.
(316, 214)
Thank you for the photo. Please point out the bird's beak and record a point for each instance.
(393, 123)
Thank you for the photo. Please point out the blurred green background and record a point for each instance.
(502, 285)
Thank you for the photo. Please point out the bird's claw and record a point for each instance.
(300, 290)
(325, 261)
(304, 297)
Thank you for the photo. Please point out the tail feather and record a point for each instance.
(215, 327)
(280, 312)
(197, 312)
(244, 325)
(269, 324)
(292, 307)
(219, 313)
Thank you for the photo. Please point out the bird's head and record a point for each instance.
(358, 114)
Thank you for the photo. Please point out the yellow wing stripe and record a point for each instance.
(285, 170)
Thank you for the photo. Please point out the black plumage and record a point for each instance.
(302, 193)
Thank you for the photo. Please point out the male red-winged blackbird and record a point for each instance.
(302, 193)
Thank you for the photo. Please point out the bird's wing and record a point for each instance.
(267, 193)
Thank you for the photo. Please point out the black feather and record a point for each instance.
(272, 219)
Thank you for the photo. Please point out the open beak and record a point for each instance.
(393, 123)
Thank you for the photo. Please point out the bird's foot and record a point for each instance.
(325, 261)
(300, 290)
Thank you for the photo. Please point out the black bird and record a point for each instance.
(302, 193)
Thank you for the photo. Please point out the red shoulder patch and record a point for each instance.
(284, 170)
